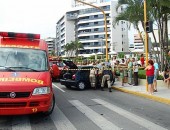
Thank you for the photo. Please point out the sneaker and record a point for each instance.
(155, 90)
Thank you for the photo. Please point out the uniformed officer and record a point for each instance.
(106, 77)
(92, 77)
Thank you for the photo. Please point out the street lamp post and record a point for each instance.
(146, 37)
(105, 22)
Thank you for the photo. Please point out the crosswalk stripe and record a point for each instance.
(21, 123)
(99, 120)
(60, 120)
(58, 88)
(141, 121)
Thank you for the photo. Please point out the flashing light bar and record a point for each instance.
(20, 35)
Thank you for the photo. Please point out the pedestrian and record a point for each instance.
(166, 75)
(122, 71)
(130, 66)
(135, 72)
(150, 75)
(156, 71)
(106, 78)
(92, 77)
(113, 61)
(142, 60)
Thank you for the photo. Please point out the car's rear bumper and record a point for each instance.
(68, 82)
(22, 106)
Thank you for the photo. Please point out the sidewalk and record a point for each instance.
(163, 94)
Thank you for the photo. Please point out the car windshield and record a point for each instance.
(20, 59)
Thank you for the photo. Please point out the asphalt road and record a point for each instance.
(94, 110)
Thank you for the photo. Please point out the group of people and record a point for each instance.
(103, 74)
(127, 69)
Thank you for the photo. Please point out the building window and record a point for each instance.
(122, 49)
(122, 36)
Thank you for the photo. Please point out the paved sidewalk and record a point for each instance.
(163, 94)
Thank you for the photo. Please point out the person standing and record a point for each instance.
(106, 77)
(150, 75)
(130, 65)
(156, 71)
(142, 60)
(92, 77)
(135, 72)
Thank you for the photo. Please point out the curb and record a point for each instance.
(152, 97)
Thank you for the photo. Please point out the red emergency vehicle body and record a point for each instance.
(23, 89)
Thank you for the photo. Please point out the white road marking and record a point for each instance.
(99, 120)
(141, 121)
(60, 120)
(21, 123)
(58, 87)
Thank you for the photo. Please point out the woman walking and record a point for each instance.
(150, 75)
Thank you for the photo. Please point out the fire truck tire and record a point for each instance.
(50, 110)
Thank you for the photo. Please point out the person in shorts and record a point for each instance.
(150, 75)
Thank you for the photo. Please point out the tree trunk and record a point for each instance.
(157, 57)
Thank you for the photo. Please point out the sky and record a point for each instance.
(32, 16)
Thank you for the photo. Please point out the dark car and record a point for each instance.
(80, 78)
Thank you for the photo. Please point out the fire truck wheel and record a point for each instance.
(50, 110)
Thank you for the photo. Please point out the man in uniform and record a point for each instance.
(106, 77)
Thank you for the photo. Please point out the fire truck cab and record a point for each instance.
(25, 79)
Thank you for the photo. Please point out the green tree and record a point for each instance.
(157, 10)
(73, 48)
(77, 45)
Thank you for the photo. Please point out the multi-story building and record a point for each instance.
(138, 43)
(87, 25)
(51, 44)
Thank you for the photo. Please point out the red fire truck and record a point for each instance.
(25, 79)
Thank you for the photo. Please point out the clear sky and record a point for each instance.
(32, 16)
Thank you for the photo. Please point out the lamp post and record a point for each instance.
(105, 23)
(146, 37)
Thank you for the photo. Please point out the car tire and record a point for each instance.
(81, 85)
(50, 110)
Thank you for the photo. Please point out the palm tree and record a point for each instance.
(157, 10)
(73, 46)
(77, 45)
(133, 13)
(160, 11)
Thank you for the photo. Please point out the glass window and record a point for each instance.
(23, 59)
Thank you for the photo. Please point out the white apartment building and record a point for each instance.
(87, 25)
(138, 44)
(51, 44)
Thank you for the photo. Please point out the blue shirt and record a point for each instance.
(156, 66)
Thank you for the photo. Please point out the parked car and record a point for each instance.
(80, 78)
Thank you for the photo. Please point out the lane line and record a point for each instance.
(137, 119)
(60, 120)
(99, 120)
(21, 123)
(58, 87)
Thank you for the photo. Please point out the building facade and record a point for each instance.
(51, 44)
(87, 25)
(138, 43)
